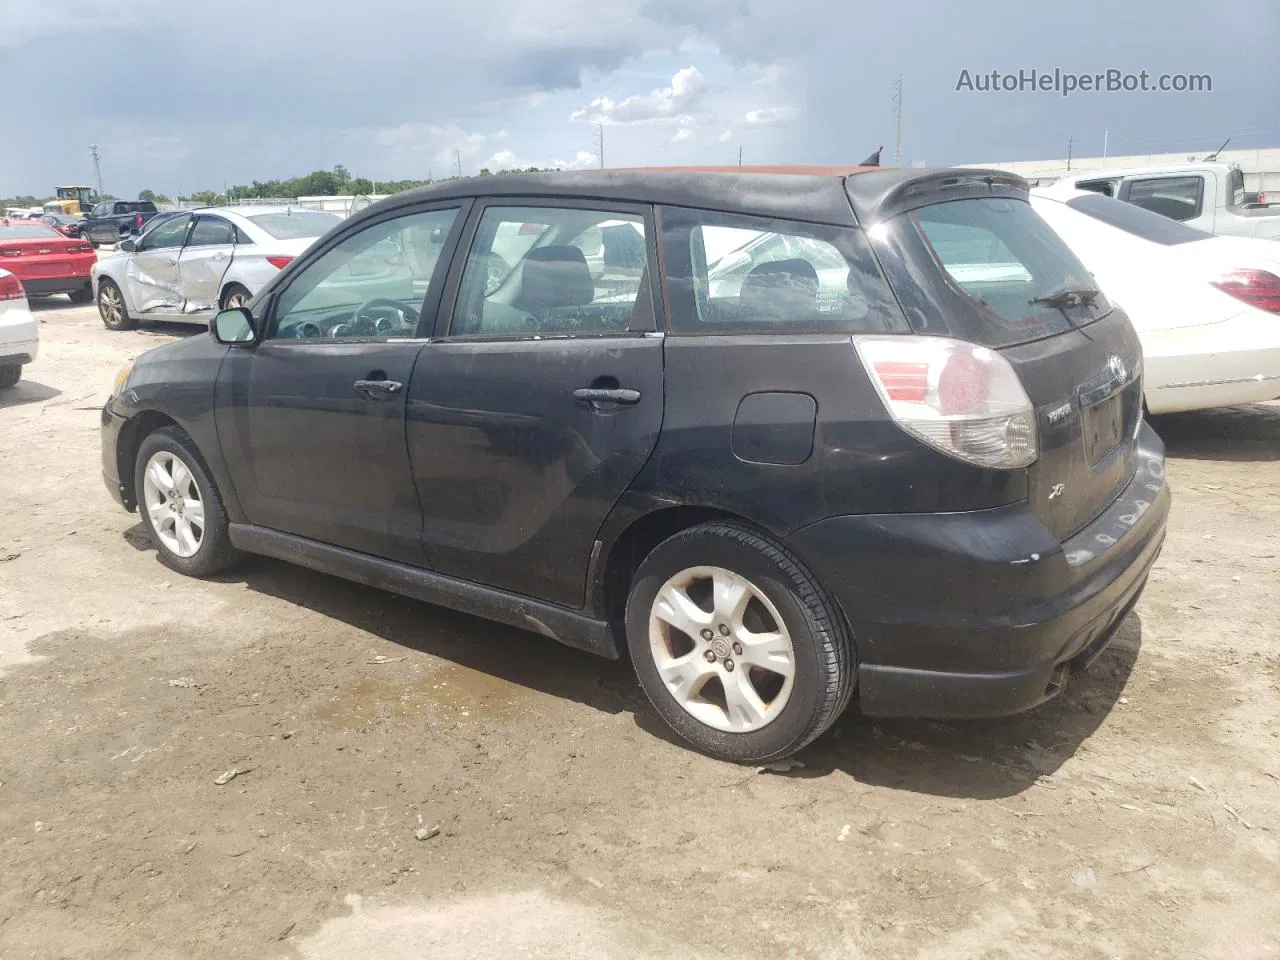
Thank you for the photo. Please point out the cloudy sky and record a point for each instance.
(183, 95)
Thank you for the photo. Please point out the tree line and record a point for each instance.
(318, 183)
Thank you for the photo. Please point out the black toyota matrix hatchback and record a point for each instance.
(781, 436)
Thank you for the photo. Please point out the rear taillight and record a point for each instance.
(138, 221)
(963, 399)
(11, 288)
(1258, 288)
(279, 262)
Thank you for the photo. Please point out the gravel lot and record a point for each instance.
(1136, 817)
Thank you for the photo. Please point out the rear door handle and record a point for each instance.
(378, 389)
(607, 395)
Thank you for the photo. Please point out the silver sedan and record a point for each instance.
(188, 266)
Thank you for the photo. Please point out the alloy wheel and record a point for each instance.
(722, 649)
(111, 305)
(174, 504)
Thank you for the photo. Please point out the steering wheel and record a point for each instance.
(496, 271)
(381, 304)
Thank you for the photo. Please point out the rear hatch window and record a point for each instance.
(1018, 280)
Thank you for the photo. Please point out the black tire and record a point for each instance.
(93, 243)
(112, 321)
(83, 295)
(10, 374)
(233, 290)
(823, 655)
(215, 552)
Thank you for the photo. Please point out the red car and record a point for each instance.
(46, 261)
(65, 223)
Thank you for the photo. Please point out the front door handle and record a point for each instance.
(378, 389)
(607, 395)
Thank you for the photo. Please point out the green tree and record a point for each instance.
(341, 174)
(152, 196)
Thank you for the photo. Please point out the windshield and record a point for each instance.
(26, 231)
(1135, 220)
(296, 224)
(1006, 262)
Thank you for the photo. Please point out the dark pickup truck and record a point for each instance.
(114, 220)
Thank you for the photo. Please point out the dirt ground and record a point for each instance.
(1138, 816)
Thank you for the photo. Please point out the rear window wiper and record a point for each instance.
(1068, 298)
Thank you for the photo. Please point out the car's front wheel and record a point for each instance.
(180, 505)
(737, 645)
(112, 308)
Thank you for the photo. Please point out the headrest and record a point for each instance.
(780, 290)
(556, 276)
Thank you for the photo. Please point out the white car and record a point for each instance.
(190, 265)
(1206, 308)
(19, 331)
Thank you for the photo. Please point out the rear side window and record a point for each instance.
(1137, 221)
(1016, 278)
(1236, 186)
(733, 274)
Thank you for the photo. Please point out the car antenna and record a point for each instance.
(1214, 155)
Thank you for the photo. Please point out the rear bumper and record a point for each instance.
(986, 613)
(47, 286)
(1218, 365)
(19, 335)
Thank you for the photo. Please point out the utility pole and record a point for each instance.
(1106, 135)
(457, 155)
(1068, 154)
(97, 167)
(739, 156)
(897, 113)
(599, 143)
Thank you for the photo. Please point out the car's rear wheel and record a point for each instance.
(180, 505)
(235, 296)
(737, 645)
(82, 295)
(111, 307)
(10, 374)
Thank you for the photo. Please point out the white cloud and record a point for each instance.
(670, 104)
(509, 160)
(683, 134)
(726, 136)
(769, 116)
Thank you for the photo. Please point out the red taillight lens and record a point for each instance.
(279, 262)
(11, 288)
(138, 221)
(906, 382)
(1258, 288)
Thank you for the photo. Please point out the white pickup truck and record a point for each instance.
(1209, 196)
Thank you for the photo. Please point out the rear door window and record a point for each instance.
(1018, 280)
(1178, 198)
(734, 274)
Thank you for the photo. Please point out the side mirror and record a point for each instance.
(234, 326)
(128, 246)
